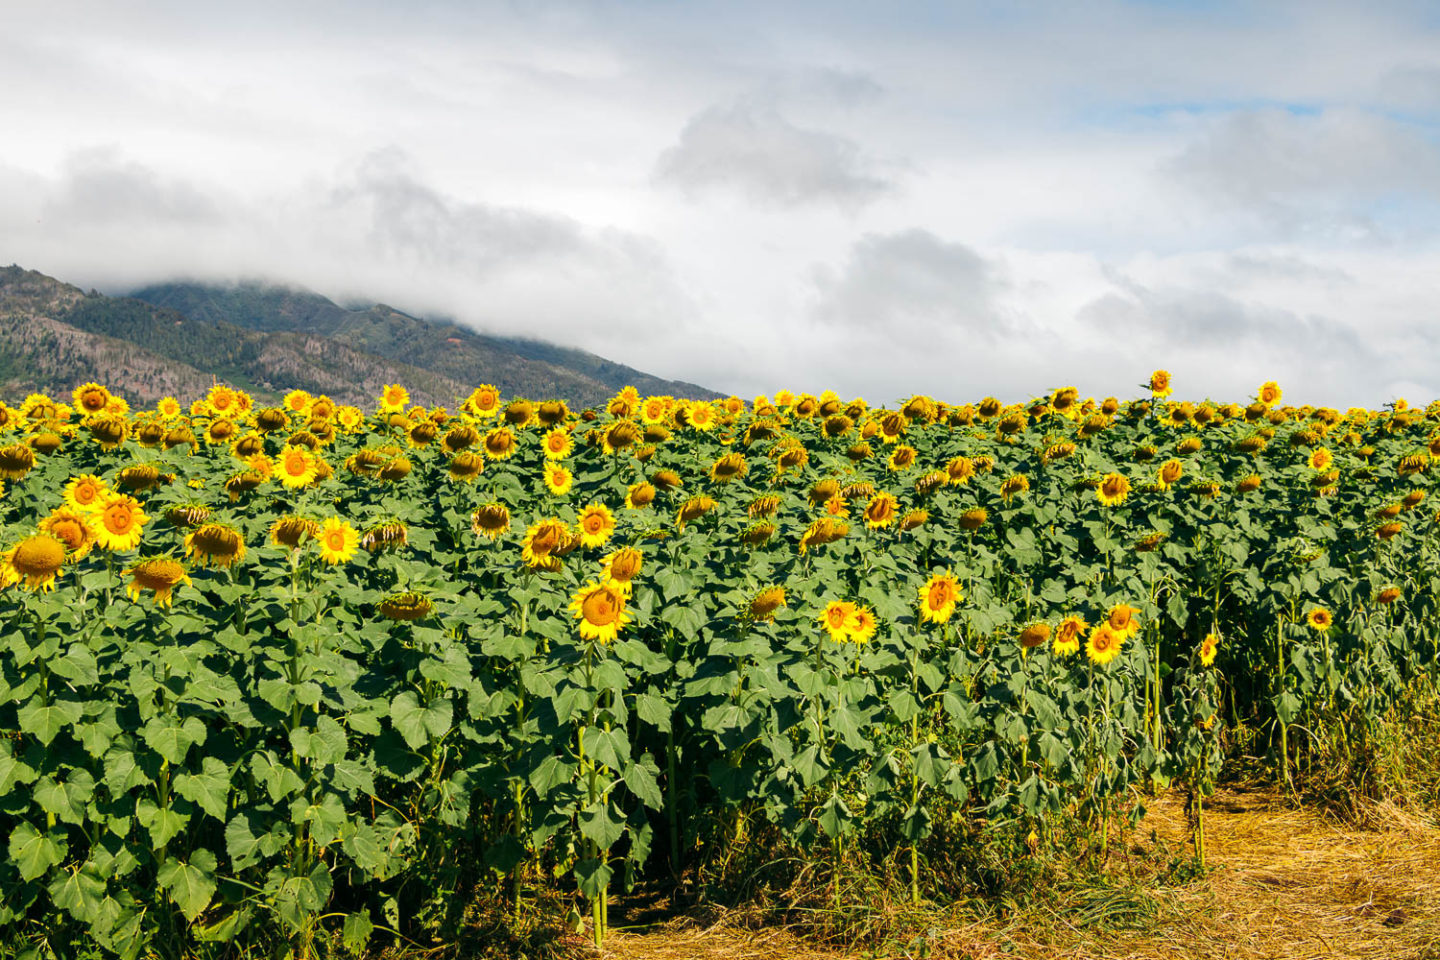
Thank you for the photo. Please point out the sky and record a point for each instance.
(959, 199)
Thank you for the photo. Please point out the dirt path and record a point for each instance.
(1285, 883)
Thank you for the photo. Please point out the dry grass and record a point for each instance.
(1286, 883)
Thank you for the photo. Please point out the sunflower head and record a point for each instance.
(1104, 644)
(159, 575)
(880, 510)
(938, 597)
(73, 527)
(640, 495)
(595, 525)
(490, 520)
(974, 518)
(914, 519)
(215, 543)
(1208, 647)
(1319, 619)
(1113, 489)
(599, 609)
(1068, 635)
(121, 521)
(409, 605)
(35, 561)
(1034, 634)
(466, 466)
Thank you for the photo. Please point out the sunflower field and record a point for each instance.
(308, 679)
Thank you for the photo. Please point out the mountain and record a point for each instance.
(517, 366)
(54, 336)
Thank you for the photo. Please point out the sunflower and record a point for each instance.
(596, 525)
(622, 565)
(406, 606)
(16, 460)
(90, 398)
(1034, 634)
(393, 398)
(693, 509)
(389, 534)
(1124, 620)
(838, 618)
(913, 519)
(880, 510)
(168, 408)
(121, 521)
(1104, 644)
(291, 531)
(557, 444)
(216, 543)
(1019, 483)
(837, 506)
(1149, 542)
(1160, 383)
(764, 604)
(823, 531)
(1388, 530)
(974, 518)
(1170, 473)
(1113, 489)
(1208, 648)
(1068, 634)
(34, 562)
(764, 505)
(491, 520)
(544, 542)
(73, 527)
(1388, 595)
(1270, 394)
(620, 435)
(1319, 619)
(296, 467)
(639, 495)
(862, 625)
(159, 575)
(701, 416)
(732, 466)
(902, 458)
(1320, 459)
(465, 466)
(1248, 484)
(938, 597)
(600, 609)
(338, 540)
(422, 434)
(86, 492)
(758, 534)
(483, 402)
(499, 443)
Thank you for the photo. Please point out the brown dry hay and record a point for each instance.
(1286, 883)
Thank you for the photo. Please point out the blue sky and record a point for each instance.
(961, 199)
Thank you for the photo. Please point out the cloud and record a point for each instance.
(101, 187)
(910, 282)
(749, 147)
(1338, 174)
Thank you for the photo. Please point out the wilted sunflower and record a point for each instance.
(490, 520)
(1408, 466)
(938, 597)
(639, 495)
(1057, 451)
(960, 470)
(822, 531)
(396, 468)
(595, 525)
(693, 509)
(758, 534)
(600, 609)
(1388, 595)
(1113, 489)
(159, 575)
(1208, 648)
(460, 437)
(1413, 499)
(858, 451)
(620, 435)
(1319, 619)
(387, 535)
(764, 604)
(465, 466)
(902, 457)
(732, 466)
(913, 519)
(974, 518)
(764, 505)
(499, 443)
(558, 479)
(1388, 530)
(1104, 644)
(406, 606)
(1016, 484)
(291, 531)
(1149, 542)
(16, 460)
(880, 510)
(1034, 634)
(72, 527)
(1068, 634)
(215, 543)
(34, 562)
(121, 521)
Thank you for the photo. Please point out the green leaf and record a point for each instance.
(163, 823)
(46, 722)
(355, 934)
(79, 892)
(13, 772)
(190, 883)
(209, 789)
(33, 852)
(324, 744)
(417, 723)
(593, 877)
(597, 824)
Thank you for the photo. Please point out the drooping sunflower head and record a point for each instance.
(159, 575)
(1388, 595)
(409, 605)
(1124, 619)
(35, 561)
(396, 468)
(758, 534)
(1113, 489)
(880, 510)
(1034, 634)
(825, 530)
(465, 466)
(693, 509)
(903, 457)
(639, 495)
(974, 518)
(1014, 485)
(599, 608)
(1387, 531)
(422, 434)
(215, 543)
(491, 520)
(291, 531)
(499, 443)
(764, 505)
(545, 542)
(960, 470)
(389, 534)
(732, 466)
(16, 460)
(764, 604)
(460, 437)
(913, 519)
